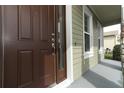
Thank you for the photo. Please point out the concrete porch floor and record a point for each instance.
(106, 74)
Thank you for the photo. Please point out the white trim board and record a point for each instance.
(69, 42)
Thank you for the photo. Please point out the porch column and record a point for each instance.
(122, 41)
(69, 42)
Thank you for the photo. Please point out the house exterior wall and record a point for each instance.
(92, 61)
(77, 30)
(109, 42)
(80, 63)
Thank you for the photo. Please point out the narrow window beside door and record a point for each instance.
(61, 44)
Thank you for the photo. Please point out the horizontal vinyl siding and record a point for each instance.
(92, 61)
(81, 65)
(77, 27)
(95, 42)
(77, 70)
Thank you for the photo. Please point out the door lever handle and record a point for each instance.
(53, 45)
(53, 49)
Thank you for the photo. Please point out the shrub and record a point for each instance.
(108, 55)
(117, 52)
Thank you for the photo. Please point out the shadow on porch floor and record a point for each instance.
(107, 74)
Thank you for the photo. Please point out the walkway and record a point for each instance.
(107, 74)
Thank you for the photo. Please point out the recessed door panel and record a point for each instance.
(25, 67)
(25, 28)
(47, 73)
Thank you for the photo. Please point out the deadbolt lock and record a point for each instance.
(53, 34)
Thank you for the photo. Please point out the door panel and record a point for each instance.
(46, 62)
(25, 68)
(44, 23)
(25, 30)
(28, 47)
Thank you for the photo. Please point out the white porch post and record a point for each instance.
(69, 42)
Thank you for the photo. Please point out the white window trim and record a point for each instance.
(90, 53)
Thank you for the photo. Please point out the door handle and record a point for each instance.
(53, 45)
(53, 49)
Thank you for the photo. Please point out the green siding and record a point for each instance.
(81, 65)
(92, 61)
(77, 27)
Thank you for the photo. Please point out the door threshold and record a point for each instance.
(63, 84)
(52, 85)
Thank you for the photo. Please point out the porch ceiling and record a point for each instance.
(107, 14)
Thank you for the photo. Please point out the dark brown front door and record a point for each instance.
(29, 58)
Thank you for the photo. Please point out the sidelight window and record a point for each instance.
(61, 37)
